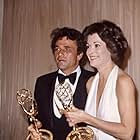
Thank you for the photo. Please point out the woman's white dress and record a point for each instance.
(108, 105)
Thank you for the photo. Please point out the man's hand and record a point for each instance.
(33, 129)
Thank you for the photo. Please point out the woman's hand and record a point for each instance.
(74, 116)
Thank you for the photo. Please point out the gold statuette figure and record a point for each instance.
(65, 95)
(29, 106)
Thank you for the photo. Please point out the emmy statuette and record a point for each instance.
(29, 106)
(65, 95)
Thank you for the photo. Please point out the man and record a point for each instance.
(69, 50)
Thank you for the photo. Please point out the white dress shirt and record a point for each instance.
(56, 102)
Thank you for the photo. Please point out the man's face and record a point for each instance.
(66, 55)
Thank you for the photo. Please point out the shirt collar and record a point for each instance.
(78, 70)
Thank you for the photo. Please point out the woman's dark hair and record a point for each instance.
(113, 36)
(73, 35)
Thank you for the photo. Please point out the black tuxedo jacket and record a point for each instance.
(44, 90)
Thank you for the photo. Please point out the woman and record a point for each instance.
(110, 108)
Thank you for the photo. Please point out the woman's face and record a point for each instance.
(97, 51)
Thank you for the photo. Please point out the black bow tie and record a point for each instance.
(71, 77)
